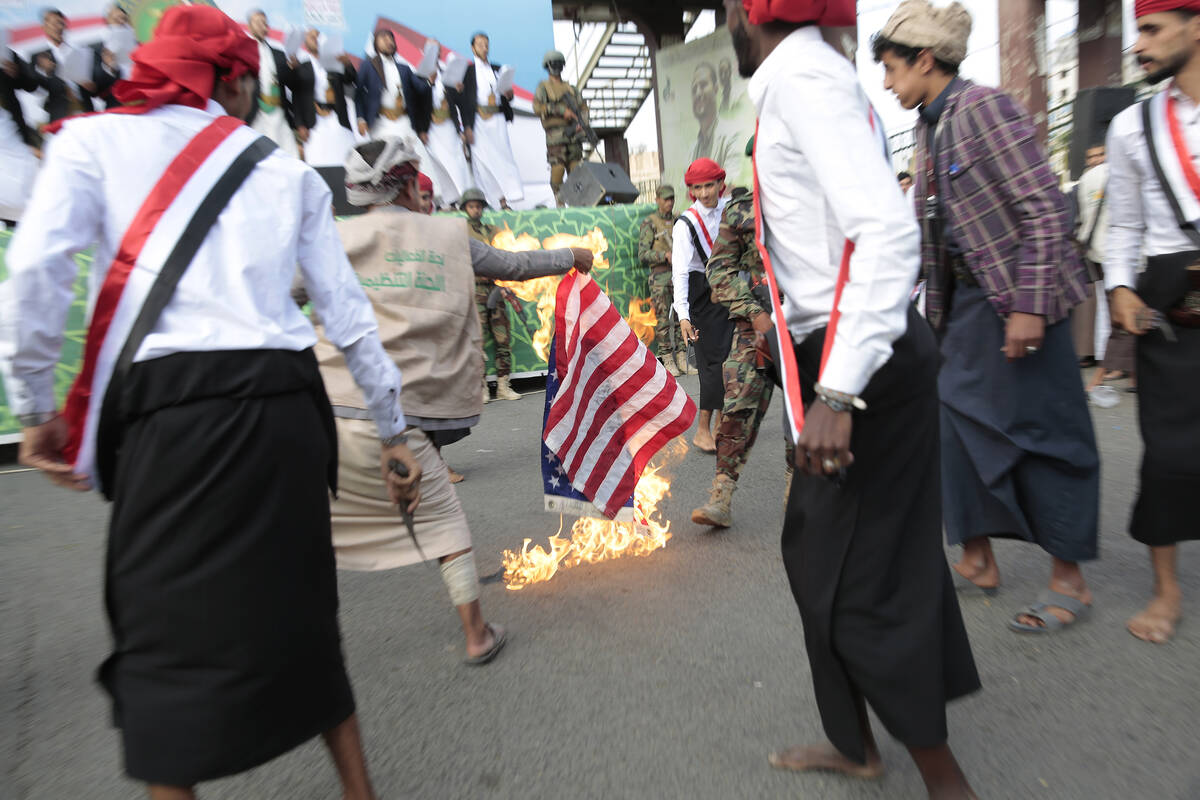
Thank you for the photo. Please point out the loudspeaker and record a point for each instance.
(592, 184)
(336, 178)
(1094, 109)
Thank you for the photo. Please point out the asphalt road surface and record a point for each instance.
(670, 676)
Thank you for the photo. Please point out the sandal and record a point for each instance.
(1040, 611)
(499, 638)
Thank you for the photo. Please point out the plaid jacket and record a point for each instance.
(1002, 206)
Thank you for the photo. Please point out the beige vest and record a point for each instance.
(416, 270)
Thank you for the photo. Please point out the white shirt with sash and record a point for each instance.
(823, 179)
(1140, 218)
(235, 294)
(685, 259)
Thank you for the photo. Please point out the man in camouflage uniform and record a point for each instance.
(738, 281)
(564, 131)
(489, 300)
(654, 251)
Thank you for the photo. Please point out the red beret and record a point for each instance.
(829, 13)
(1143, 7)
(179, 62)
(703, 170)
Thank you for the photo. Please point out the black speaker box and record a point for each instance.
(1094, 110)
(592, 184)
(336, 178)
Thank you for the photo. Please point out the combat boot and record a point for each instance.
(681, 363)
(504, 391)
(672, 367)
(716, 512)
(487, 395)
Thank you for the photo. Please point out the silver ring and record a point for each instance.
(1030, 350)
(830, 464)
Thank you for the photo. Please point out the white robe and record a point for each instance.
(328, 142)
(18, 167)
(272, 122)
(402, 127)
(492, 158)
(446, 147)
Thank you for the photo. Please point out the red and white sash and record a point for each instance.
(1169, 142)
(151, 236)
(707, 237)
(788, 371)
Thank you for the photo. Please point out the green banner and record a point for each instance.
(610, 232)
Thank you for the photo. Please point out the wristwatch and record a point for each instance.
(399, 438)
(35, 419)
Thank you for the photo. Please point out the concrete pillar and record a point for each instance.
(1099, 32)
(1023, 56)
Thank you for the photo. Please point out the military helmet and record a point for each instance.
(664, 191)
(471, 194)
(554, 57)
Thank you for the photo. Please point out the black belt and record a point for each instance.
(962, 272)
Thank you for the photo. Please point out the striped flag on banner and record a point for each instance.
(610, 404)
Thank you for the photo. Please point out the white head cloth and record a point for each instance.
(380, 183)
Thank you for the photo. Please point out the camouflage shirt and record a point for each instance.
(654, 240)
(735, 264)
(550, 104)
(481, 230)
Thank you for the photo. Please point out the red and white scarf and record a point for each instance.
(151, 236)
(1178, 166)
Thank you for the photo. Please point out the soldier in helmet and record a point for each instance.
(564, 133)
(489, 302)
(654, 251)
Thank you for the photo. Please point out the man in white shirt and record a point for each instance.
(1154, 210)
(862, 534)
(704, 324)
(273, 117)
(199, 410)
(492, 160)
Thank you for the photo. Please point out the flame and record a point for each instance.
(641, 319)
(542, 290)
(594, 540)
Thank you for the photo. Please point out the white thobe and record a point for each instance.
(492, 160)
(270, 121)
(328, 142)
(18, 167)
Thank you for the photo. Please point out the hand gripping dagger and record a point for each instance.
(396, 466)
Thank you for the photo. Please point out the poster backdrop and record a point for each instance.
(704, 109)
(611, 233)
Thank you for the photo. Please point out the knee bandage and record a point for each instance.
(461, 579)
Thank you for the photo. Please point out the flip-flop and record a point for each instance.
(1040, 610)
(499, 637)
(964, 585)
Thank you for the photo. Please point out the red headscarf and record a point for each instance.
(827, 13)
(1143, 7)
(177, 65)
(702, 170)
(425, 184)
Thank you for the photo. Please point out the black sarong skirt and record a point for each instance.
(716, 336)
(220, 582)
(1168, 412)
(866, 565)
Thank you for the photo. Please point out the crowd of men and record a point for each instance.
(313, 104)
(970, 418)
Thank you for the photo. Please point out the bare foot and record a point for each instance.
(825, 757)
(1083, 595)
(486, 640)
(1156, 622)
(703, 440)
(985, 574)
(455, 477)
